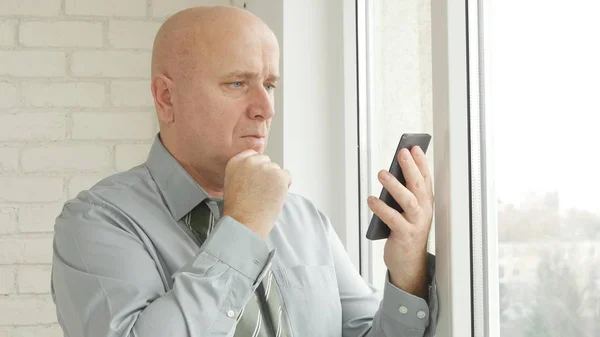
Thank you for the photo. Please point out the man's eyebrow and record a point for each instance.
(248, 75)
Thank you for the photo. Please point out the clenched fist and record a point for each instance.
(254, 191)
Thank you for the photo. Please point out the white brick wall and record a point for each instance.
(8, 32)
(120, 64)
(136, 8)
(27, 126)
(61, 34)
(29, 63)
(75, 107)
(7, 280)
(38, 217)
(105, 125)
(52, 330)
(34, 279)
(129, 34)
(27, 310)
(69, 94)
(131, 94)
(65, 157)
(163, 8)
(8, 219)
(8, 95)
(30, 8)
(30, 189)
(129, 155)
(9, 159)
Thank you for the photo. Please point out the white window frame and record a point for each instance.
(465, 212)
(452, 167)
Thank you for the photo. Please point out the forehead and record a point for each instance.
(246, 52)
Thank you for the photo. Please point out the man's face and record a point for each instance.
(225, 103)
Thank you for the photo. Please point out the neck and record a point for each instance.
(213, 187)
(210, 179)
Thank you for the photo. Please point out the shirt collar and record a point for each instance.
(179, 190)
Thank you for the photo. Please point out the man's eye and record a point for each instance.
(236, 84)
(269, 87)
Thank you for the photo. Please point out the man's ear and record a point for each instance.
(162, 88)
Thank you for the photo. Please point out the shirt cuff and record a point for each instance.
(403, 307)
(240, 248)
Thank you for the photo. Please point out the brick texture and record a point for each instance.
(119, 64)
(30, 189)
(8, 95)
(32, 126)
(113, 126)
(133, 8)
(163, 8)
(130, 155)
(65, 157)
(8, 33)
(27, 310)
(71, 94)
(29, 63)
(9, 159)
(8, 220)
(61, 34)
(52, 330)
(7, 280)
(34, 279)
(30, 7)
(38, 217)
(131, 94)
(132, 34)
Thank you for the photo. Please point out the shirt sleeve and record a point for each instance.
(368, 313)
(106, 283)
(403, 309)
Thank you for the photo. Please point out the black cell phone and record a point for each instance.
(377, 228)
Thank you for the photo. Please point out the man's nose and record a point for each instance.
(261, 104)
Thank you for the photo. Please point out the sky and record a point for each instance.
(543, 93)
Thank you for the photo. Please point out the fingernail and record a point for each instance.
(384, 175)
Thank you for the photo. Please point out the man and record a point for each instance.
(204, 238)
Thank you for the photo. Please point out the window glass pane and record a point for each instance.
(543, 72)
(400, 75)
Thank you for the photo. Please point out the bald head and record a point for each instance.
(189, 36)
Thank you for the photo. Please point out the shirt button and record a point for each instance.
(421, 314)
(230, 313)
(403, 310)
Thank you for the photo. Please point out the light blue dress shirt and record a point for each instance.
(125, 264)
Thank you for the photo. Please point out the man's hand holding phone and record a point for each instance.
(405, 252)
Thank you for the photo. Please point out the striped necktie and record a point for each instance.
(263, 315)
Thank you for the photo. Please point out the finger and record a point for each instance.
(270, 165)
(421, 161)
(394, 220)
(404, 197)
(246, 153)
(243, 155)
(288, 176)
(414, 180)
(238, 158)
(259, 158)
